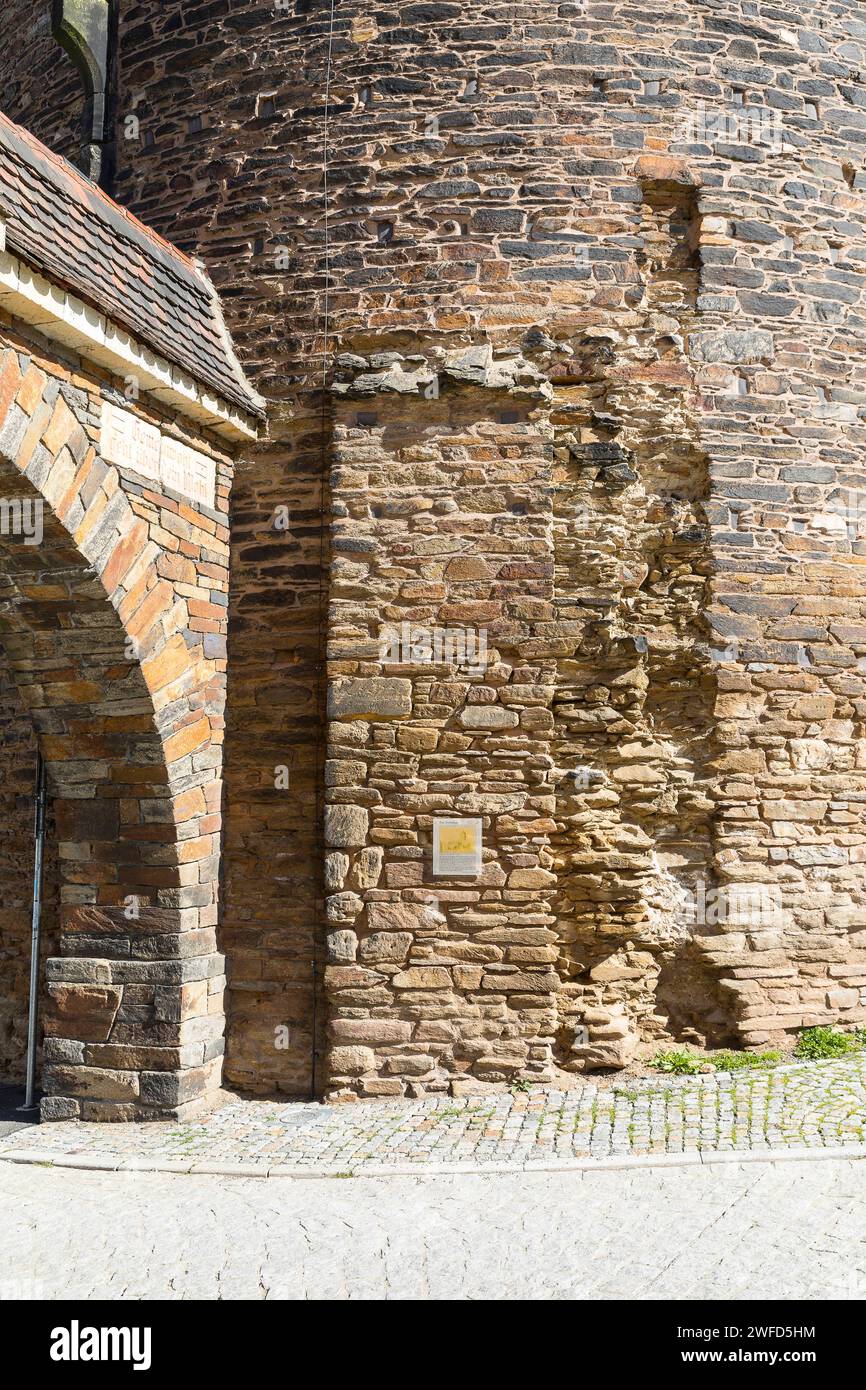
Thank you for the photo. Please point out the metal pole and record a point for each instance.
(35, 929)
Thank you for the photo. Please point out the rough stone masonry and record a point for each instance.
(587, 384)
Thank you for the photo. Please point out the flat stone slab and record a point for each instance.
(371, 697)
(732, 1231)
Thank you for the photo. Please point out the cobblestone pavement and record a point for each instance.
(814, 1106)
(743, 1231)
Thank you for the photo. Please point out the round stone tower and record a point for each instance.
(559, 309)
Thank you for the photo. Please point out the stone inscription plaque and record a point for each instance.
(133, 443)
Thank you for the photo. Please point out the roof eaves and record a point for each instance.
(177, 282)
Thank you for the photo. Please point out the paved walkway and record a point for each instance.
(733, 1231)
(807, 1108)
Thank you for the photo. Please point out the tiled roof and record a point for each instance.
(72, 233)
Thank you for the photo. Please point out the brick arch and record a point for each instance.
(94, 628)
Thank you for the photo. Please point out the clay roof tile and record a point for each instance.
(69, 230)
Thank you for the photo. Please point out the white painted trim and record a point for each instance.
(66, 319)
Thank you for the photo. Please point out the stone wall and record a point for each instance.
(701, 875)
(596, 299)
(442, 524)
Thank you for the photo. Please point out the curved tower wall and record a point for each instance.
(594, 399)
(40, 87)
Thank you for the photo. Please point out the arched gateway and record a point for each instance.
(121, 406)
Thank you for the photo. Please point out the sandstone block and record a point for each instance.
(372, 1031)
(95, 1083)
(539, 983)
(346, 826)
(341, 772)
(406, 917)
(488, 717)
(386, 946)
(613, 1054)
(84, 1012)
(659, 168)
(469, 1086)
(436, 1030)
(368, 869)
(342, 947)
(499, 1067)
(422, 977)
(531, 878)
(638, 772)
(370, 698)
(336, 869)
(409, 1066)
(381, 1086)
(352, 1061)
(343, 907)
(59, 1108)
(489, 803)
(843, 998)
(784, 810)
(815, 707)
(733, 345)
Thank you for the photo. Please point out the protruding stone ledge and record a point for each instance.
(424, 374)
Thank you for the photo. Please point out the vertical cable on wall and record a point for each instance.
(322, 627)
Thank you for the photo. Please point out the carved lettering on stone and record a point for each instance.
(132, 443)
(187, 471)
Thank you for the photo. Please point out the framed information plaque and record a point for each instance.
(456, 848)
